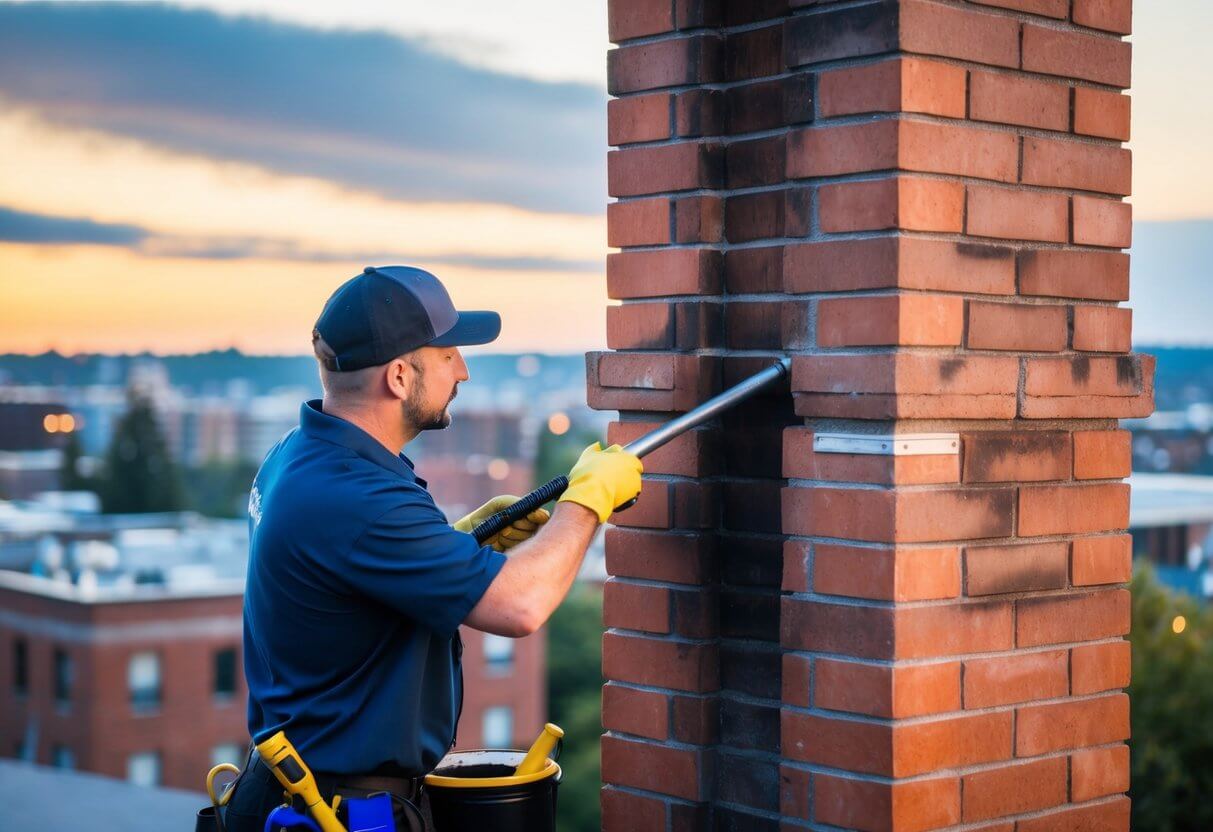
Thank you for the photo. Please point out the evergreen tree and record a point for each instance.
(139, 475)
(70, 477)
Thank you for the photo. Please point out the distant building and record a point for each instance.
(1171, 520)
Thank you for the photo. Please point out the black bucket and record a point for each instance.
(474, 791)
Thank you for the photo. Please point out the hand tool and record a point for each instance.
(540, 749)
(297, 779)
(646, 444)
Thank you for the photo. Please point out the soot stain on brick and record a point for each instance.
(984, 460)
(1080, 369)
(984, 252)
(950, 367)
(1128, 370)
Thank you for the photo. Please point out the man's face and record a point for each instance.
(437, 373)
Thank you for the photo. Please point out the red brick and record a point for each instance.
(1102, 113)
(902, 202)
(968, 34)
(663, 63)
(795, 576)
(1072, 618)
(678, 558)
(903, 319)
(699, 112)
(907, 406)
(1045, 509)
(1016, 456)
(885, 691)
(801, 461)
(863, 632)
(1102, 222)
(1122, 375)
(1023, 677)
(1095, 275)
(1095, 668)
(839, 743)
(672, 505)
(1112, 816)
(909, 517)
(754, 53)
(906, 807)
(636, 18)
(1102, 560)
(1063, 163)
(698, 219)
(754, 270)
(794, 680)
(900, 574)
(899, 262)
(1076, 55)
(1099, 773)
(639, 118)
(794, 792)
(672, 167)
(1088, 407)
(625, 810)
(649, 381)
(694, 453)
(1102, 454)
(660, 663)
(909, 85)
(904, 373)
(632, 711)
(640, 326)
(638, 222)
(923, 747)
(952, 630)
(647, 765)
(636, 606)
(754, 216)
(1109, 15)
(676, 271)
(1103, 329)
(1026, 787)
(1043, 728)
(1048, 8)
(1008, 99)
(1017, 215)
(695, 719)
(755, 162)
(991, 570)
(1017, 327)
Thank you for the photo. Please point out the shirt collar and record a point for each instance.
(314, 422)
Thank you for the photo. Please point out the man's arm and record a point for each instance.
(539, 572)
(537, 576)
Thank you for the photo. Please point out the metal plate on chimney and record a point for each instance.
(902, 444)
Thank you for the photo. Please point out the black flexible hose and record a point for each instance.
(550, 490)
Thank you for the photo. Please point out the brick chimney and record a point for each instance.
(891, 597)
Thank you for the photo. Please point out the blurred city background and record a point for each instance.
(183, 186)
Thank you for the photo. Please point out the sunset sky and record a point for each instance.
(181, 177)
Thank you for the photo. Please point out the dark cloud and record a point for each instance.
(20, 227)
(23, 227)
(367, 109)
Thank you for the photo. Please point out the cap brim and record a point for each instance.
(471, 328)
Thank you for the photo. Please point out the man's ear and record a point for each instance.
(398, 375)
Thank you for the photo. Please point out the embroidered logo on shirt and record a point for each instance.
(254, 506)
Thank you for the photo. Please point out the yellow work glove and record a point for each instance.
(604, 480)
(513, 534)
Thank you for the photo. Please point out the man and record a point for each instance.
(357, 585)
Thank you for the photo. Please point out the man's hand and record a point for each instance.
(511, 535)
(604, 480)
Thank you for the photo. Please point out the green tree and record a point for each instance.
(575, 704)
(557, 454)
(70, 477)
(1171, 703)
(139, 475)
(220, 488)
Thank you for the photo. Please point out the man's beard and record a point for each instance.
(422, 419)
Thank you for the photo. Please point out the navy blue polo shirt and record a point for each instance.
(356, 588)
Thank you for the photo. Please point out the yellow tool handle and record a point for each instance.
(296, 778)
(542, 747)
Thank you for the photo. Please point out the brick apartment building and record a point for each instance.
(149, 687)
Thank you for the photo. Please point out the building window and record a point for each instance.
(228, 752)
(143, 769)
(225, 673)
(497, 727)
(143, 679)
(63, 678)
(498, 653)
(20, 667)
(62, 757)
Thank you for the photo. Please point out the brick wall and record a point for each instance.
(922, 202)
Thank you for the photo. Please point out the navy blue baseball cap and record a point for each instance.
(389, 310)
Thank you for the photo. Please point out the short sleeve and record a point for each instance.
(409, 559)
